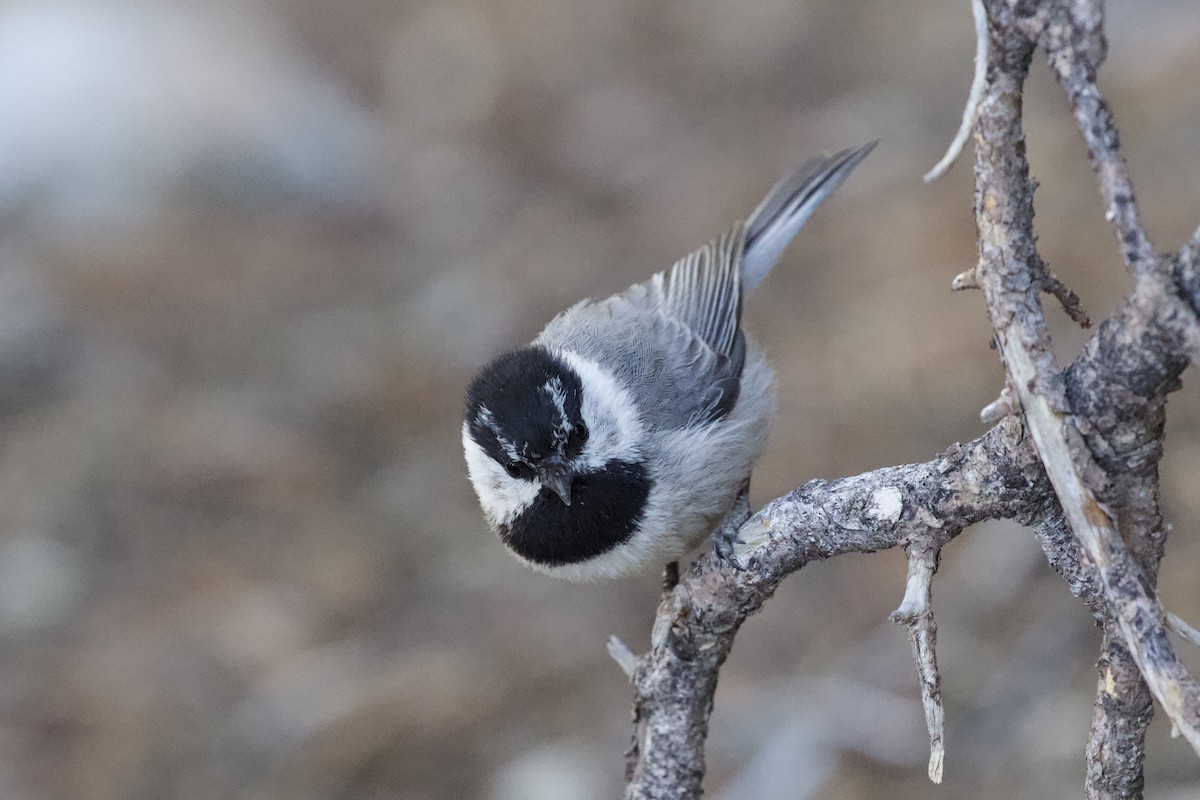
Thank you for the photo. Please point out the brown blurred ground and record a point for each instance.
(250, 254)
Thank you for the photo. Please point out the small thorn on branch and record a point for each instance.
(916, 612)
(1003, 406)
(967, 279)
(1191, 250)
(624, 657)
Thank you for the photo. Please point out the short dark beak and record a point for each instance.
(556, 476)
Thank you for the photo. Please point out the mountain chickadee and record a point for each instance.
(626, 430)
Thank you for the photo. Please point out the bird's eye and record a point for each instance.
(513, 468)
(579, 435)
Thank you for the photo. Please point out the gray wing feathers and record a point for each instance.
(675, 376)
(785, 209)
(676, 339)
(704, 290)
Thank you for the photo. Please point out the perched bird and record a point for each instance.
(624, 433)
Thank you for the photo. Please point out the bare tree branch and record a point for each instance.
(995, 476)
(1008, 272)
(1116, 748)
(992, 477)
(1074, 456)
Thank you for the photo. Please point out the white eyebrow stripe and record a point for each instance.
(558, 396)
(489, 421)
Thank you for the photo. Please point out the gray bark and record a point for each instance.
(1074, 456)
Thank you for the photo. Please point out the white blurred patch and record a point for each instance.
(551, 772)
(40, 582)
(112, 107)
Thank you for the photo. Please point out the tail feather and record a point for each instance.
(703, 290)
(789, 204)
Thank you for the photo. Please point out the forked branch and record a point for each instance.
(1074, 455)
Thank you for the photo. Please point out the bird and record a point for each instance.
(627, 430)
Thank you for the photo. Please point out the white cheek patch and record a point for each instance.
(609, 412)
(501, 496)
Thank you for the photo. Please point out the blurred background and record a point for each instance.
(252, 252)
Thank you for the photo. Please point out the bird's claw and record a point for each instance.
(724, 539)
(725, 536)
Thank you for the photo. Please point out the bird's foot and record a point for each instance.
(725, 536)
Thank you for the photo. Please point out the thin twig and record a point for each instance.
(1074, 42)
(972, 107)
(916, 612)
(1180, 626)
(1069, 300)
